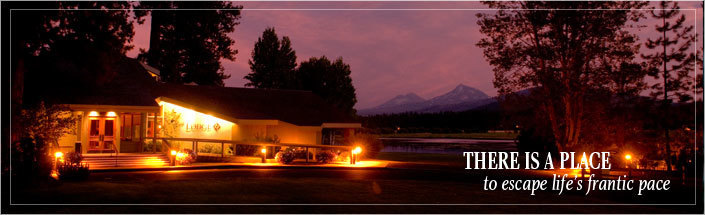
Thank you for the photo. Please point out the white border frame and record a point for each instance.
(695, 47)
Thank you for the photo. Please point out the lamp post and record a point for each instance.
(172, 158)
(629, 164)
(583, 160)
(264, 154)
(354, 156)
(57, 157)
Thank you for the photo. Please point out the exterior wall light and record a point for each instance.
(264, 154)
(111, 114)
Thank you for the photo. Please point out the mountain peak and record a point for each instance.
(461, 87)
(462, 97)
(461, 93)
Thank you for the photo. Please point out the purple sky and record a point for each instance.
(391, 52)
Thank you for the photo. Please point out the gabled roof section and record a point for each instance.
(297, 107)
(110, 80)
(154, 72)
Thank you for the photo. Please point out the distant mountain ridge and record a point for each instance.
(409, 98)
(461, 98)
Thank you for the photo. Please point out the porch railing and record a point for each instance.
(195, 142)
(114, 147)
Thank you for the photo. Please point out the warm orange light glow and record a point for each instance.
(628, 157)
(584, 161)
(357, 150)
(111, 114)
(198, 124)
(93, 113)
(366, 164)
(179, 155)
(59, 154)
(173, 152)
(152, 161)
(264, 150)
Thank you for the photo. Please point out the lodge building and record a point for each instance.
(125, 109)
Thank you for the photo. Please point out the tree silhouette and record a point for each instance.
(674, 45)
(330, 80)
(186, 45)
(273, 62)
(107, 26)
(567, 54)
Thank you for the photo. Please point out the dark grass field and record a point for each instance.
(435, 185)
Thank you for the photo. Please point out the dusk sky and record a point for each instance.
(391, 52)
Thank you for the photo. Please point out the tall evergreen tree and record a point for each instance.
(273, 62)
(106, 28)
(186, 45)
(330, 80)
(106, 25)
(672, 61)
(568, 55)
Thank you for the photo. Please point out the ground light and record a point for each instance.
(355, 154)
(172, 158)
(59, 157)
(264, 153)
(583, 171)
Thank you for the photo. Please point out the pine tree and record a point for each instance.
(273, 62)
(187, 45)
(330, 80)
(673, 61)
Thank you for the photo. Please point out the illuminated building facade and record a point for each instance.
(131, 110)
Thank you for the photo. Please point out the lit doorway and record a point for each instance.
(101, 135)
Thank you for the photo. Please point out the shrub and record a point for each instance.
(189, 157)
(209, 148)
(72, 171)
(30, 161)
(343, 157)
(300, 153)
(326, 156)
(285, 156)
(74, 158)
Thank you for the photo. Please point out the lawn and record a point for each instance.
(310, 186)
(494, 136)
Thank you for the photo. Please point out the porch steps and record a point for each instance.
(125, 160)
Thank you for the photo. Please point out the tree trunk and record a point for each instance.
(666, 104)
(155, 38)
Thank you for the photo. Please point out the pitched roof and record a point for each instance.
(297, 107)
(118, 81)
(113, 79)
